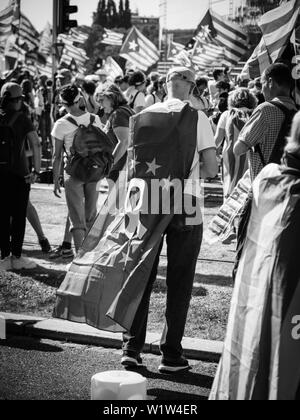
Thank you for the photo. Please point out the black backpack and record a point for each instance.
(91, 155)
(9, 155)
(284, 132)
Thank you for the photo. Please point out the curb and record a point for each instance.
(56, 329)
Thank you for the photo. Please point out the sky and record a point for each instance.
(182, 14)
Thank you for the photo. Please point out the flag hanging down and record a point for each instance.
(46, 41)
(112, 38)
(277, 27)
(257, 63)
(6, 19)
(112, 68)
(231, 37)
(139, 50)
(173, 50)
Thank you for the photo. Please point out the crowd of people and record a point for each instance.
(238, 125)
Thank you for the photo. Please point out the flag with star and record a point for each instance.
(139, 50)
(108, 278)
(173, 50)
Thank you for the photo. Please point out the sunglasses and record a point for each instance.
(179, 76)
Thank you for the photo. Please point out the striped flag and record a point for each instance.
(206, 54)
(231, 37)
(78, 36)
(27, 33)
(257, 63)
(6, 19)
(139, 50)
(112, 38)
(277, 27)
(174, 49)
(71, 51)
(112, 68)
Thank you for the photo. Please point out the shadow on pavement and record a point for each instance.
(25, 343)
(47, 276)
(164, 394)
(190, 378)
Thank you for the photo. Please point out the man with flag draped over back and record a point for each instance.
(110, 282)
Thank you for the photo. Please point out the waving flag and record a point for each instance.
(6, 19)
(27, 34)
(257, 63)
(139, 50)
(112, 38)
(277, 27)
(72, 52)
(173, 50)
(206, 54)
(231, 37)
(112, 68)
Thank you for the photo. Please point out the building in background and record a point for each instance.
(149, 26)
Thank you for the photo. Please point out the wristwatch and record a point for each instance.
(36, 172)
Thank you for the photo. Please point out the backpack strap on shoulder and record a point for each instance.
(72, 121)
(92, 119)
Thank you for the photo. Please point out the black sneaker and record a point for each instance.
(130, 360)
(175, 366)
(45, 246)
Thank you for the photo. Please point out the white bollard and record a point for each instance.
(118, 386)
(2, 328)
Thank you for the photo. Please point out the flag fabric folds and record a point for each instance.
(72, 52)
(108, 278)
(113, 68)
(112, 38)
(173, 50)
(260, 359)
(27, 33)
(139, 50)
(277, 27)
(6, 19)
(207, 55)
(231, 37)
(258, 62)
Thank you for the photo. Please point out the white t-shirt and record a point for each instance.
(205, 140)
(64, 130)
(139, 98)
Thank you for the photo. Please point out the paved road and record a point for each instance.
(33, 369)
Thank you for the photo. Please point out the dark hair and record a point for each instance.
(137, 78)
(281, 74)
(217, 74)
(201, 81)
(89, 87)
(242, 98)
(223, 85)
(26, 86)
(114, 93)
(69, 93)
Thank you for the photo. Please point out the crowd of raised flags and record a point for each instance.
(217, 43)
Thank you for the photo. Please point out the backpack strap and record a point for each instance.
(72, 121)
(134, 99)
(92, 119)
(287, 116)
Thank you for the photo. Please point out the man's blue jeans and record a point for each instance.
(183, 248)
